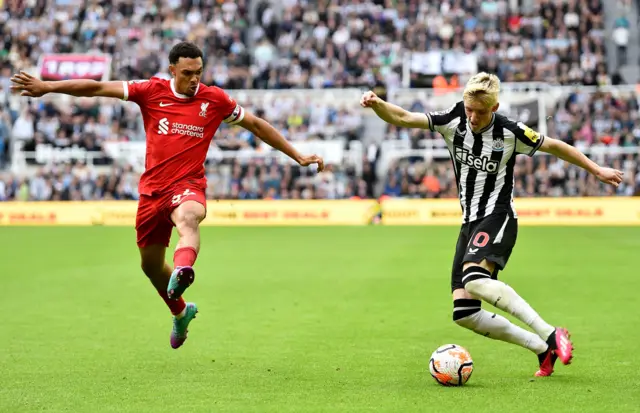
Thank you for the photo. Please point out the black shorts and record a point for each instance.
(491, 238)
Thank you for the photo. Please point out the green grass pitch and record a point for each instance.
(307, 319)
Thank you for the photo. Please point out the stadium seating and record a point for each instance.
(263, 52)
(365, 43)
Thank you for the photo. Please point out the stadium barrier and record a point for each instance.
(531, 211)
(219, 213)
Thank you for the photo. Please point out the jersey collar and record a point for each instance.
(486, 128)
(180, 95)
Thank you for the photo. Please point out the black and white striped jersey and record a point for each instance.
(483, 162)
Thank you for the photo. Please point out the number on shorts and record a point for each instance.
(178, 198)
(481, 239)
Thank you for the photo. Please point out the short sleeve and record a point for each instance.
(137, 90)
(528, 141)
(232, 111)
(447, 120)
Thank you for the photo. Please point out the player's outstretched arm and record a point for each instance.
(570, 154)
(393, 114)
(29, 86)
(265, 131)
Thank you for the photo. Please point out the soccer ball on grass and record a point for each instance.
(451, 365)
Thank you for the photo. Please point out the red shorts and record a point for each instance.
(153, 219)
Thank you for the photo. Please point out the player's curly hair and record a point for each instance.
(483, 87)
(184, 49)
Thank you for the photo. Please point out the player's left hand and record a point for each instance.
(610, 176)
(311, 159)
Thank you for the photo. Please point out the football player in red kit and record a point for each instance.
(181, 117)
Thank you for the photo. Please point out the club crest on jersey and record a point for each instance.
(498, 145)
(203, 109)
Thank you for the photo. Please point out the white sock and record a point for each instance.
(182, 313)
(499, 328)
(505, 298)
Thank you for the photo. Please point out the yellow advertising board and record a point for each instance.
(219, 213)
(531, 211)
(68, 213)
(291, 212)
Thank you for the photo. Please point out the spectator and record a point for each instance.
(621, 38)
(307, 44)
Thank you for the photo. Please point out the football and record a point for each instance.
(451, 365)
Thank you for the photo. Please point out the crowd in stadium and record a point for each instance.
(306, 44)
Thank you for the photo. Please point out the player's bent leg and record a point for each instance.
(467, 313)
(186, 217)
(158, 271)
(478, 282)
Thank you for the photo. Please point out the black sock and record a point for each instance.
(542, 356)
(551, 341)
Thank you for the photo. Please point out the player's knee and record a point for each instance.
(189, 216)
(473, 277)
(464, 310)
(190, 220)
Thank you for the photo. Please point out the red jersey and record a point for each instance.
(179, 130)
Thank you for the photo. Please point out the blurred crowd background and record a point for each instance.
(293, 63)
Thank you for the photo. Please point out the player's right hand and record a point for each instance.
(610, 176)
(28, 85)
(369, 99)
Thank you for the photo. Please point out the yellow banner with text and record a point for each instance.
(531, 211)
(221, 213)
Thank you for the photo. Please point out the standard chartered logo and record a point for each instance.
(180, 129)
(163, 128)
(187, 130)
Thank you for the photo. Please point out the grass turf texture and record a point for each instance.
(307, 319)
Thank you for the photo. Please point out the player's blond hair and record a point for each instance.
(483, 87)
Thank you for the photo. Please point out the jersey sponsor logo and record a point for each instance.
(163, 126)
(203, 109)
(187, 130)
(480, 163)
(162, 104)
(184, 129)
(529, 133)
